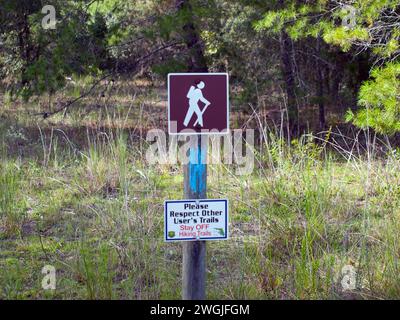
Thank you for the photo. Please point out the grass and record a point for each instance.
(12, 204)
(85, 201)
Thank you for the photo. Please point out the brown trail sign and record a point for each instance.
(198, 103)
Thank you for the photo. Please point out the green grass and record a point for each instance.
(12, 202)
(86, 202)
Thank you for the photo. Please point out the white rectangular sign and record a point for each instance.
(189, 220)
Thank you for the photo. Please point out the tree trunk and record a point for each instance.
(196, 60)
(286, 52)
(24, 45)
(363, 69)
(340, 61)
(320, 88)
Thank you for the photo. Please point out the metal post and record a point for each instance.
(194, 252)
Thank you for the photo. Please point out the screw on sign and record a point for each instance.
(198, 103)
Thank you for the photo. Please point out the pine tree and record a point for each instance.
(363, 25)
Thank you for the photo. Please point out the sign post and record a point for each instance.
(194, 252)
(198, 104)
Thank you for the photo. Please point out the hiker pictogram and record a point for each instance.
(195, 95)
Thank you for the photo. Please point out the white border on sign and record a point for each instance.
(200, 239)
(227, 105)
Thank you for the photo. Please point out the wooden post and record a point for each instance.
(194, 252)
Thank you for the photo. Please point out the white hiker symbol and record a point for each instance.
(195, 95)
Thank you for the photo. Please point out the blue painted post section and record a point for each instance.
(197, 170)
(194, 252)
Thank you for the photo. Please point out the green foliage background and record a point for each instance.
(240, 36)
